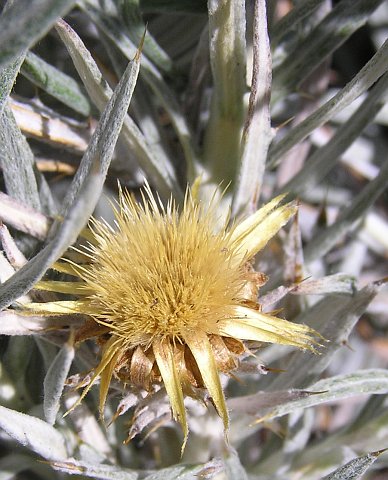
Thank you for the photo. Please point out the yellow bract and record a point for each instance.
(171, 298)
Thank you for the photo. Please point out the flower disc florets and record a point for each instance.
(170, 298)
(161, 273)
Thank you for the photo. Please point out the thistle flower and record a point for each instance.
(170, 299)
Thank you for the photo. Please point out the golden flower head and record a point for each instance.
(171, 299)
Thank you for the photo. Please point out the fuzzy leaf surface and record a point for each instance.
(257, 134)
(343, 20)
(56, 83)
(355, 468)
(33, 433)
(111, 25)
(100, 93)
(25, 22)
(334, 318)
(373, 381)
(364, 79)
(101, 472)
(324, 159)
(54, 381)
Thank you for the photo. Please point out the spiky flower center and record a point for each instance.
(162, 274)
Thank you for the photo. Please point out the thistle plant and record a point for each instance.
(192, 225)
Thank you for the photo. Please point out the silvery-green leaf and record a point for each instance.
(132, 18)
(324, 159)
(334, 389)
(8, 76)
(25, 22)
(227, 46)
(263, 401)
(19, 176)
(299, 11)
(56, 83)
(188, 472)
(100, 92)
(334, 318)
(101, 472)
(364, 79)
(84, 192)
(54, 381)
(344, 19)
(340, 283)
(355, 468)
(339, 448)
(349, 218)
(111, 25)
(23, 181)
(33, 433)
(233, 467)
(257, 133)
(89, 429)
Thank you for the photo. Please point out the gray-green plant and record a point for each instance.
(224, 93)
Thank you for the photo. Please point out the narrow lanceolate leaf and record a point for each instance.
(325, 158)
(33, 433)
(56, 83)
(258, 404)
(188, 472)
(84, 191)
(102, 472)
(233, 466)
(345, 18)
(332, 389)
(25, 22)
(54, 381)
(228, 64)
(23, 182)
(133, 20)
(334, 318)
(257, 133)
(19, 177)
(349, 218)
(114, 29)
(355, 468)
(364, 79)
(300, 11)
(100, 93)
(8, 76)
(340, 283)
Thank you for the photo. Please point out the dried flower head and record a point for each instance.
(171, 300)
